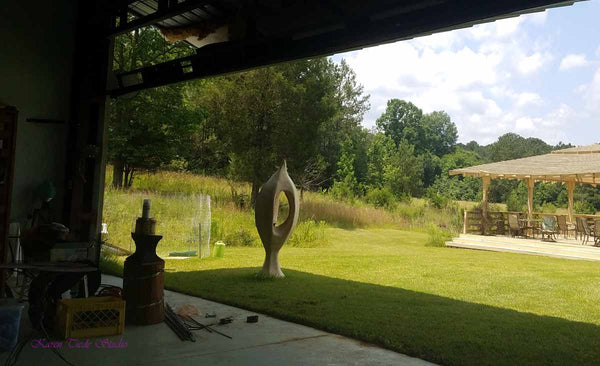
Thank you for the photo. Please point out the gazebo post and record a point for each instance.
(484, 204)
(570, 189)
(530, 185)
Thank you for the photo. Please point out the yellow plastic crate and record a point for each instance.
(90, 317)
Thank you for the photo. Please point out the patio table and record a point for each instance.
(531, 225)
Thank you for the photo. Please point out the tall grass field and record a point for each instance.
(175, 203)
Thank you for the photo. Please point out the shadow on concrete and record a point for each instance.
(430, 327)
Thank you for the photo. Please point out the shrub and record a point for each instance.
(584, 207)
(437, 237)
(381, 197)
(178, 164)
(309, 234)
(241, 237)
(513, 202)
(411, 211)
(548, 207)
(494, 207)
(437, 200)
(342, 191)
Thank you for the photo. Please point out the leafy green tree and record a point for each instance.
(431, 168)
(380, 150)
(249, 110)
(346, 184)
(145, 128)
(460, 158)
(512, 146)
(458, 187)
(401, 121)
(501, 188)
(584, 207)
(360, 143)
(432, 133)
(440, 133)
(588, 193)
(350, 106)
(292, 111)
(203, 151)
(381, 197)
(481, 151)
(403, 174)
(517, 199)
(545, 193)
(145, 133)
(312, 176)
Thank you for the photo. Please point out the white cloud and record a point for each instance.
(498, 29)
(508, 27)
(524, 124)
(538, 18)
(433, 79)
(551, 127)
(572, 61)
(559, 117)
(526, 98)
(521, 99)
(405, 66)
(590, 93)
(505, 27)
(444, 40)
(479, 76)
(530, 64)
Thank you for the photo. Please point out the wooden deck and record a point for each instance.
(562, 248)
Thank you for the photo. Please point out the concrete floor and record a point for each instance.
(268, 342)
(562, 248)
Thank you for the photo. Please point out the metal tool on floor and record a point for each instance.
(193, 324)
(252, 319)
(180, 328)
(226, 320)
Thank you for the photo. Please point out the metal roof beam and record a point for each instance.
(232, 56)
(166, 9)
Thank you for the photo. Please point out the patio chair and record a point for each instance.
(514, 228)
(549, 228)
(583, 230)
(564, 227)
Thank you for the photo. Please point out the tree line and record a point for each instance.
(308, 112)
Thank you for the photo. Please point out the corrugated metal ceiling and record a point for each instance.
(201, 14)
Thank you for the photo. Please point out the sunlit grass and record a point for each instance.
(400, 289)
(451, 306)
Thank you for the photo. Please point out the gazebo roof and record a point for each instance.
(580, 164)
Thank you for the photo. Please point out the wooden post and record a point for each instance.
(465, 222)
(570, 189)
(530, 184)
(484, 204)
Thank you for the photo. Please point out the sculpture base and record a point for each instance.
(143, 293)
(143, 282)
(271, 266)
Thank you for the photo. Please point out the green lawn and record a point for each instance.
(450, 306)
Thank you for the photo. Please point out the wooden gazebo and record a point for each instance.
(570, 166)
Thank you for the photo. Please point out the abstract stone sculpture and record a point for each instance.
(267, 208)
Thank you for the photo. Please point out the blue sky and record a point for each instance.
(537, 75)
